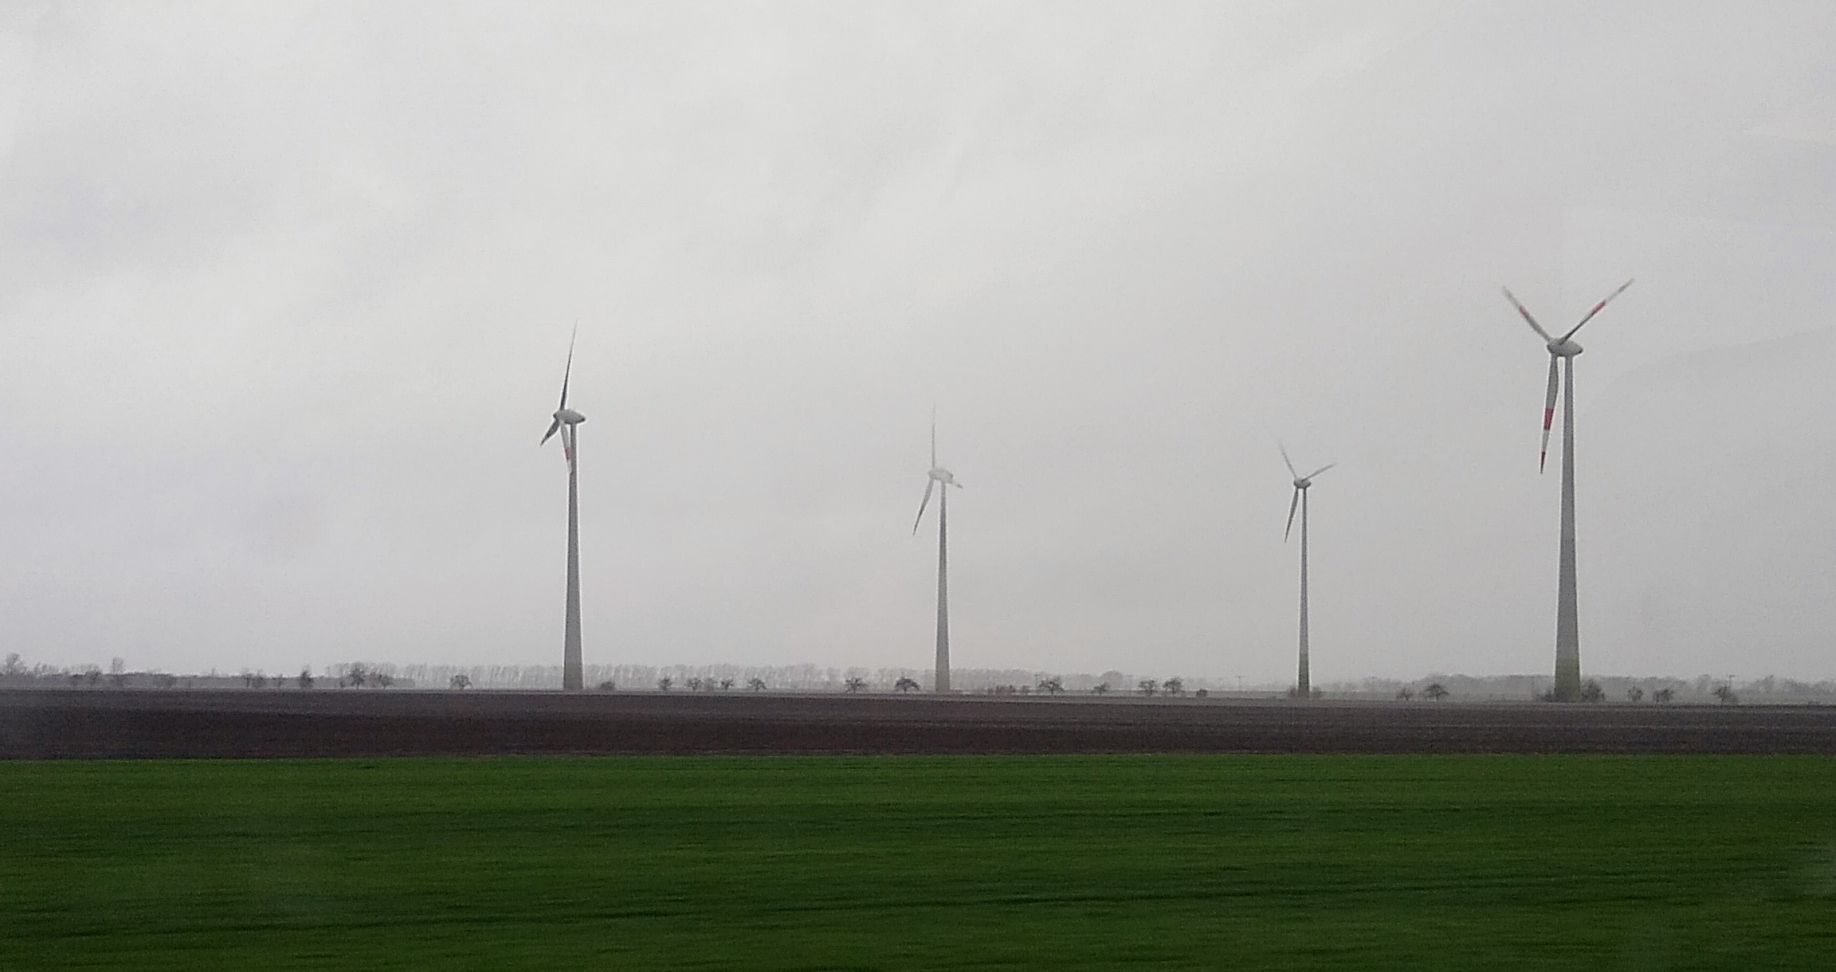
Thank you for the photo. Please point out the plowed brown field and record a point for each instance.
(332, 722)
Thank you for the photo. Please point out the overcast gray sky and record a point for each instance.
(286, 291)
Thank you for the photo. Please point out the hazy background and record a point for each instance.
(285, 292)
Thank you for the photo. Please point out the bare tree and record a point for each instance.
(1726, 694)
(305, 678)
(607, 686)
(1635, 694)
(1148, 686)
(1052, 686)
(1436, 691)
(1405, 693)
(357, 675)
(694, 683)
(1173, 686)
(382, 680)
(460, 682)
(1100, 688)
(726, 684)
(1663, 696)
(664, 683)
(13, 665)
(855, 684)
(1592, 692)
(906, 684)
(756, 684)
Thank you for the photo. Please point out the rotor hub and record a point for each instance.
(1564, 348)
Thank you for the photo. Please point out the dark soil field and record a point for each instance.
(132, 724)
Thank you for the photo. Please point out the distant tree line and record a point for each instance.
(14, 672)
(370, 675)
(754, 678)
(1660, 690)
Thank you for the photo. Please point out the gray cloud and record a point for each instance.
(288, 288)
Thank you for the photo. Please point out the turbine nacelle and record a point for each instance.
(1300, 486)
(1563, 347)
(562, 414)
(937, 474)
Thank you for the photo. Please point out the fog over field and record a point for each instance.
(288, 289)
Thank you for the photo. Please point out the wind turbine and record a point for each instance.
(567, 422)
(1562, 352)
(939, 474)
(1301, 484)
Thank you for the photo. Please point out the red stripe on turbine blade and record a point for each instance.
(1548, 418)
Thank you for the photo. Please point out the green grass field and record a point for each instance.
(931, 863)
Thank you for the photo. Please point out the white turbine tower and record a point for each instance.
(939, 474)
(1562, 353)
(1301, 484)
(567, 422)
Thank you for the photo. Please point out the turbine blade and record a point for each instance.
(552, 426)
(569, 372)
(1555, 379)
(1322, 469)
(1290, 462)
(922, 504)
(1534, 326)
(1293, 505)
(1597, 308)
